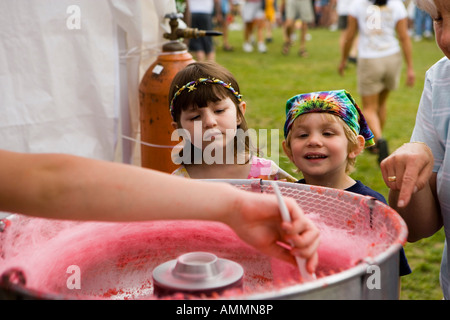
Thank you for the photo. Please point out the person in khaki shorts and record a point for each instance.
(378, 22)
(378, 74)
(297, 9)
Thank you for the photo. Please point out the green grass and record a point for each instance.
(268, 80)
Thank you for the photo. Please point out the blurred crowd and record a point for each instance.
(258, 18)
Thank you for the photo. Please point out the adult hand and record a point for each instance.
(342, 67)
(258, 222)
(408, 170)
(410, 77)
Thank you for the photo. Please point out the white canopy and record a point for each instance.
(70, 72)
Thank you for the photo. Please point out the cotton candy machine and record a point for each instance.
(57, 259)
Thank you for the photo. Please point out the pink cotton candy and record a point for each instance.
(116, 259)
(340, 248)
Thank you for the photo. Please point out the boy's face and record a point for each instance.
(215, 124)
(442, 25)
(318, 146)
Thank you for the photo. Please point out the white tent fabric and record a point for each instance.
(70, 72)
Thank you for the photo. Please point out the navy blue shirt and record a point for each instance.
(364, 190)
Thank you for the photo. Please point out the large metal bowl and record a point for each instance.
(40, 257)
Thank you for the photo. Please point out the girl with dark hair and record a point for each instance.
(208, 110)
(380, 2)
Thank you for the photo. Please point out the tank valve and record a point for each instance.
(186, 33)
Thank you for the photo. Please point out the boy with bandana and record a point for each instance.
(324, 133)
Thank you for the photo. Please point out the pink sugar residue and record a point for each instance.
(341, 248)
(116, 259)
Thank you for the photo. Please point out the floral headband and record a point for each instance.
(191, 86)
(338, 102)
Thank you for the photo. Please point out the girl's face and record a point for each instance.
(318, 146)
(215, 124)
(442, 25)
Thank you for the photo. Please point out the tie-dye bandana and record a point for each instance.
(338, 102)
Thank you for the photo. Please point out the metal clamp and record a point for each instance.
(257, 186)
(3, 225)
(371, 204)
(13, 276)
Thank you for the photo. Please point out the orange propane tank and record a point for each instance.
(155, 118)
(156, 128)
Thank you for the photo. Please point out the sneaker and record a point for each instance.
(262, 47)
(383, 150)
(303, 53)
(353, 60)
(373, 149)
(227, 48)
(247, 47)
(427, 34)
(286, 47)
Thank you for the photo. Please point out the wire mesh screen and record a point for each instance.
(355, 214)
(97, 260)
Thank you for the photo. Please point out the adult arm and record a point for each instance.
(69, 187)
(350, 34)
(413, 195)
(405, 43)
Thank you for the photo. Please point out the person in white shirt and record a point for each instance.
(254, 16)
(379, 22)
(342, 10)
(201, 17)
